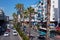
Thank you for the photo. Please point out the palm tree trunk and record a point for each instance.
(48, 20)
(30, 24)
(23, 20)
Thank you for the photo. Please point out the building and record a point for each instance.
(3, 22)
(34, 15)
(42, 11)
(59, 12)
(55, 12)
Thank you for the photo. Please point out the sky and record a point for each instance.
(8, 6)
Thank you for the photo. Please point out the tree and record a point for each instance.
(30, 11)
(48, 19)
(26, 13)
(19, 8)
(14, 18)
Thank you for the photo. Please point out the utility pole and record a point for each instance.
(48, 19)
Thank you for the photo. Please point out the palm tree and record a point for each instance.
(14, 18)
(48, 19)
(19, 8)
(26, 13)
(30, 11)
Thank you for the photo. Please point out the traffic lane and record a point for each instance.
(11, 37)
(14, 37)
(5, 38)
(0, 37)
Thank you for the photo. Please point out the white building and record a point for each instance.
(55, 11)
(42, 10)
(34, 15)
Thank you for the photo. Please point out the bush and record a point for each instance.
(21, 33)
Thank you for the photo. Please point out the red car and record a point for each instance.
(58, 28)
(8, 30)
(57, 37)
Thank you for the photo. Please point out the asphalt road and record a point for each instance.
(11, 37)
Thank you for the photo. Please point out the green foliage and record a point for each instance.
(19, 6)
(21, 33)
(38, 26)
(31, 10)
(26, 13)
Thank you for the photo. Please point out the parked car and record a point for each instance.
(41, 37)
(57, 37)
(6, 34)
(58, 28)
(42, 33)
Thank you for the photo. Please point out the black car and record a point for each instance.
(41, 37)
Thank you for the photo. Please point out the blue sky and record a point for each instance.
(8, 5)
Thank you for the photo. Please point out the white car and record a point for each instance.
(15, 33)
(13, 30)
(6, 34)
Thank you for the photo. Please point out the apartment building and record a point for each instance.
(42, 11)
(55, 12)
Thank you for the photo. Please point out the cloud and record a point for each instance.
(33, 6)
(1, 8)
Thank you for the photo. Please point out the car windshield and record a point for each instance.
(42, 30)
(6, 33)
(15, 32)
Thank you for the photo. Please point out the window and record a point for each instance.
(53, 6)
(39, 10)
(39, 7)
(41, 3)
(53, 1)
(53, 18)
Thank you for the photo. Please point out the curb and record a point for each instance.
(19, 36)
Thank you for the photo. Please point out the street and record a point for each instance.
(11, 37)
(33, 33)
(30, 20)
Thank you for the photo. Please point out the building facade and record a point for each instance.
(42, 11)
(59, 12)
(55, 12)
(3, 22)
